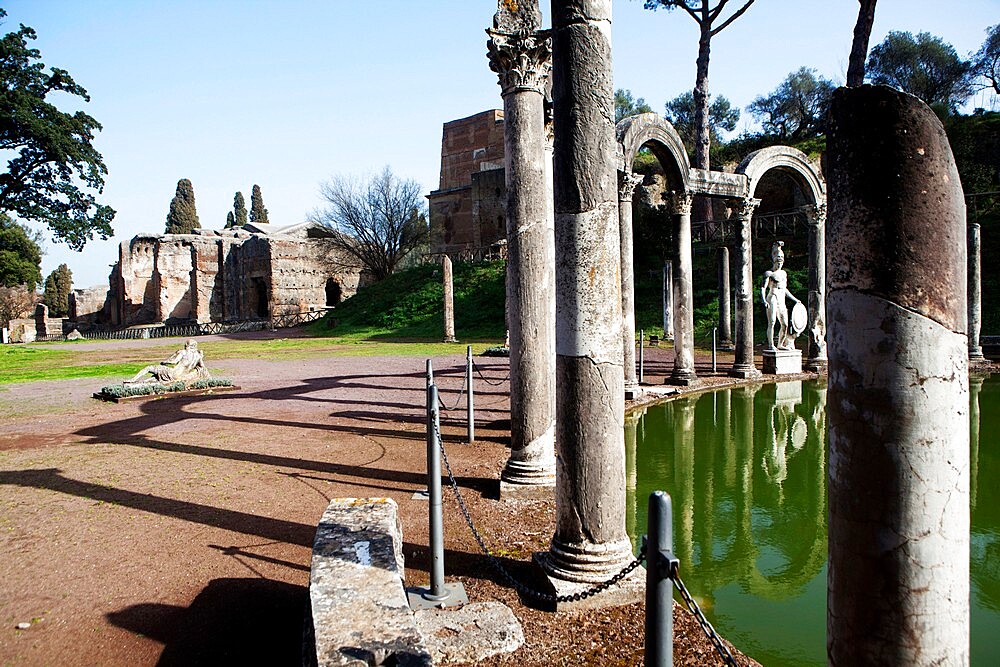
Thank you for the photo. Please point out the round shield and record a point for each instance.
(797, 322)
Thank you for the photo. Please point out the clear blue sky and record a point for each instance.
(285, 94)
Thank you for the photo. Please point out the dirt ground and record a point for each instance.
(179, 531)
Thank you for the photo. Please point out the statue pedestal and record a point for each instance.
(782, 362)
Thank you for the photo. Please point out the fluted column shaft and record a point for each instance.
(683, 372)
(626, 187)
(975, 293)
(816, 300)
(742, 213)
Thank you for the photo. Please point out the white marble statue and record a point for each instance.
(186, 365)
(773, 291)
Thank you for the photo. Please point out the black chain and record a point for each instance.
(723, 652)
(465, 380)
(502, 571)
(486, 380)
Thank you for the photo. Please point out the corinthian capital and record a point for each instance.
(626, 185)
(816, 214)
(678, 202)
(743, 209)
(521, 60)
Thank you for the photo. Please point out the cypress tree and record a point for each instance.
(240, 209)
(258, 213)
(183, 216)
(58, 285)
(230, 220)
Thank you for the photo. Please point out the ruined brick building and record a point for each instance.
(252, 272)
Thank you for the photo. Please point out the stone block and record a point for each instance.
(782, 362)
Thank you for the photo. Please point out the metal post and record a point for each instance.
(470, 409)
(715, 334)
(660, 564)
(642, 361)
(430, 373)
(434, 524)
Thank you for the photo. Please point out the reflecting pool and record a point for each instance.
(746, 469)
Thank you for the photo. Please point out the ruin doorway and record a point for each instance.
(261, 299)
(334, 294)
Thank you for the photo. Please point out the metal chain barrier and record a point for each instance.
(458, 400)
(706, 626)
(486, 380)
(503, 572)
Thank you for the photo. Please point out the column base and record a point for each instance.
(524, 479)
(816, 365)
(726, 345)
(634, 391)
(782, 362)
(744, 372)
(976, 354)
(452, 339)
(682, 378)
(630, 589)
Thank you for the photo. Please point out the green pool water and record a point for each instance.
(746, 470)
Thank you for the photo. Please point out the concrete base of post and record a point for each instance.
(682, 378)
(630, 589)
(782, 362)
(745, 372)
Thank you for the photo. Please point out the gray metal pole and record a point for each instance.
(659, 583)
(470, 409)
(430, 373)
(642, 361)
(435, 522)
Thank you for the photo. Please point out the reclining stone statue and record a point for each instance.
(186, 365)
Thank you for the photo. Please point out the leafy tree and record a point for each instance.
(626, 106)
(986, 61)
(859, 47)
(239, 210)
(183, 216)
(797, 108)
(924, 66)
(20, 255)
(230, 220)
(50, 151)
(57, 288)
(16, 302)
(258, 214)
(380, 219)
(706, 17)
(681, 112)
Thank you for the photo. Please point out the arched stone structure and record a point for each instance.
(796, 165)
(634, 132)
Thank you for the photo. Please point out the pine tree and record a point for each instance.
(57, 288)
(258, 213)
(183, 216)
(240, 210)
(230, 220)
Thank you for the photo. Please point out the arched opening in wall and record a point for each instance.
(261, 300)
(334, 294)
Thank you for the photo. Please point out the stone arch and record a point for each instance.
(789, 160)
(634, 132)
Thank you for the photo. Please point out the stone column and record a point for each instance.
(975, 295)
(521, 56)
(626, 186)
(449, 301)
(816, 300)
(742, 213)
(898, 411)
(683, 373)
(668, 300)
(725, 321)
(590, 543)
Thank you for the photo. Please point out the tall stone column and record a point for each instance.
(626, 187)
(683, 372)
(449, 300)
(742, 213)
(521, 56)
(590, 543)
(975, 295)
(898, 410)
(668, 300)
(816, 300)
(725, 321)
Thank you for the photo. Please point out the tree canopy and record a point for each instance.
(20, 255)
(626, 106)
(58, 285)
(51, 150)
(258, 214)
(239, 210)
(722, 116)
(986, 61)
(924, 66)
(380, 219)
(797, 108)
(183, 216)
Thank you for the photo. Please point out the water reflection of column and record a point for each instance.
(684, 476)
(727, 446)
(743, 414)
(632, 420)
(975, 386)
